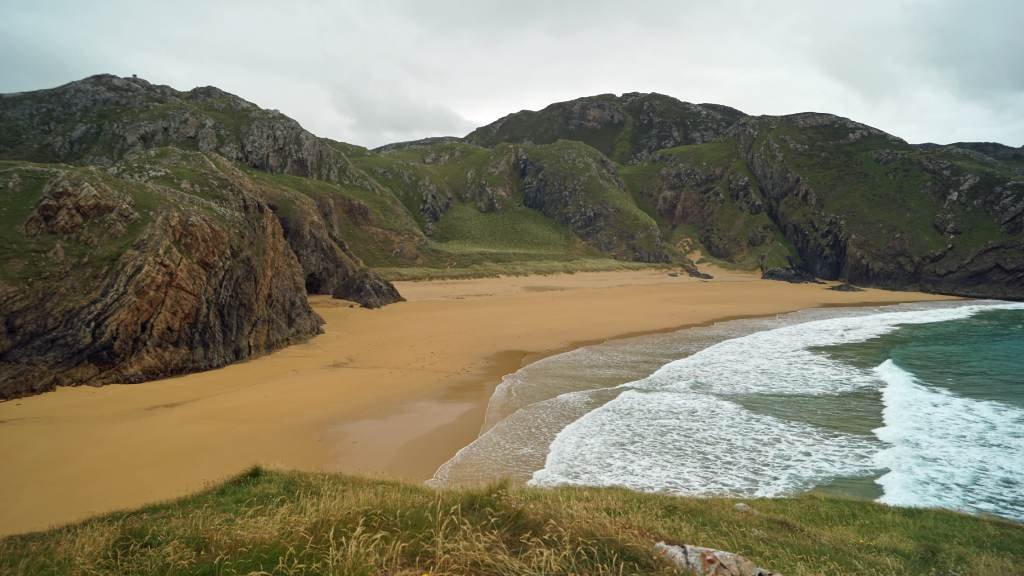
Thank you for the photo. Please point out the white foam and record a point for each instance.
(947, 451)
(677, 430)
(697, 444)
(780, 361)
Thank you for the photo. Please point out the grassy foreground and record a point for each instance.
(300, 523)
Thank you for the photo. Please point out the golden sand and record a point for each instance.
(392, 392)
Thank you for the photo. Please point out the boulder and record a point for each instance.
(791, 275)
(709, 562)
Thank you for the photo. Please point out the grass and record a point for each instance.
(24, 258)
(514, 268)
(265, 522)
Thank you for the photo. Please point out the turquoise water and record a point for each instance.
(952, 412)
(980, 357)
(914, 405)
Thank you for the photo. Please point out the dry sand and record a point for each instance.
(392, 392)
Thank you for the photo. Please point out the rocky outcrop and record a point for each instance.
(700, 195)
(578, 187)
(104, 118)
(853, 201)
(702, 561)
(845, 287)
(149, 282)
(791, 275)
(328, 265)
(625, 128)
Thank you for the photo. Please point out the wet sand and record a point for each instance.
(392, 392)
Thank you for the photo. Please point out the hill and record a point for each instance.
(295, 523)
(149, 231)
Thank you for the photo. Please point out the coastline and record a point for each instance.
(392, 393)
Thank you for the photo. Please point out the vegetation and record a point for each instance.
(266, 522)
(640, 177)
(515, 268)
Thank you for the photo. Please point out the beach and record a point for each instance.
(392, 392)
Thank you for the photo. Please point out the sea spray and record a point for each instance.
(943, 450)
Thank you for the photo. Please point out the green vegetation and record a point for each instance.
(301, 523)
(704, 198)
(92, 249)
(888, 187)
(640, 177)
(491, 269)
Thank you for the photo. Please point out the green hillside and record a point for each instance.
(295, 523)
(104, 172)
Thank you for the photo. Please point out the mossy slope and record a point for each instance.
(296, 523)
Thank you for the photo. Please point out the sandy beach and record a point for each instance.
(390, 392)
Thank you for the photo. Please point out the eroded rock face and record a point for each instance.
(626, 128)
(328, 266)
(700, 196)
(188, 285)
(575, 186)
(863, 226)
(104, 118)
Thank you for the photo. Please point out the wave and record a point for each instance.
(684, 428)
(943, 450)
(698, 445)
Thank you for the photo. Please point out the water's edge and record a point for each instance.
(614, 413)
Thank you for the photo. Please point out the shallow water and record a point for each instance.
(919, 404)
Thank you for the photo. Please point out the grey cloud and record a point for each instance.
(942, 71)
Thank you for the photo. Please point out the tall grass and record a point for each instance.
(296, 523)
(515, 268)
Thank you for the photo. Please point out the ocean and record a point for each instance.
(913, 405)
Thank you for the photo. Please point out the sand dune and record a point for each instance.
(392, 392)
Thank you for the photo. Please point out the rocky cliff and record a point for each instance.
(625, 128)
(834, 197)
(121, 276)
(103, 119)
(861, 205)
(146, 231)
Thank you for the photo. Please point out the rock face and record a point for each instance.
(863, 206)
(139, 281)
(702, 561)
(625, 128)
(719, 200)
(328, 265)
(575, 186)
(147, 231)
(103, 119)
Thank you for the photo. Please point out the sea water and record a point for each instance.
(917, 405)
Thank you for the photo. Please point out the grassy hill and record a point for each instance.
(297, 523)
(108, 171)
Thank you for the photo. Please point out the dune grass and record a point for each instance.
(515, 268)
(265, 522)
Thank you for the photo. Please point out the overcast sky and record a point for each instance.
(379, 71)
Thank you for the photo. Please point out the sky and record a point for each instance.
(381, 71)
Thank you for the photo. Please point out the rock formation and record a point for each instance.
(147, 231)
(123, 281)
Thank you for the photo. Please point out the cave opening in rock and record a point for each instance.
(313, 284)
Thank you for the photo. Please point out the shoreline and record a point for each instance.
(388, 393)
